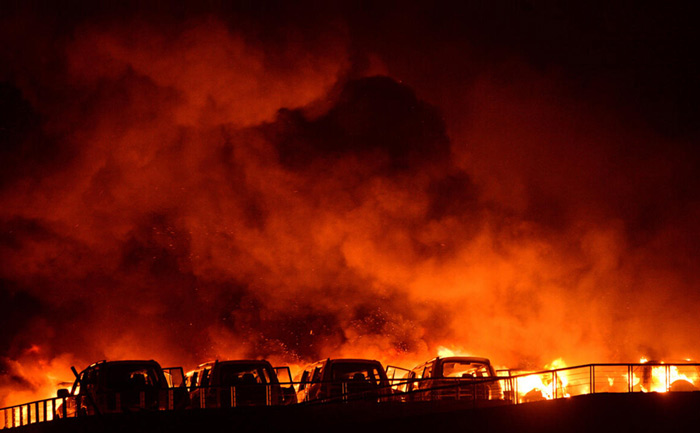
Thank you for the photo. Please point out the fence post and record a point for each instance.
(629, 378)
(268, 397)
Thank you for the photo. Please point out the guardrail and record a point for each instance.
(600, 378)
(515, 387)
(510, 387)
(29, 413)
(84, 405)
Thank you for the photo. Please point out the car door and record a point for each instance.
(398, 378)
(284, 377)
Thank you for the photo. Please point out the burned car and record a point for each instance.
(239, 383)
(343, 380)
(453, 378)
(123, 386)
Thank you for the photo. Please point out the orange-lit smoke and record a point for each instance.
(205, 194)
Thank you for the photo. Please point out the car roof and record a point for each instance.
(122, 362)
(343, 361)
(353, 360)
(237, 362)
(455, 358)
(465, 358)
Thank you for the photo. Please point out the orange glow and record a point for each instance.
(43, 377)
(665, 377)
(544, 386)
(444, 352)
(214, 190)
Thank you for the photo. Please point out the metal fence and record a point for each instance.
(510, 387)
(601, 378)
(88, 405)
(516, 387)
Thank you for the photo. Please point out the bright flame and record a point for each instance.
(444, 352)
(44, 377)
(542, 386)
(663, 377)
(635, 379)
(562, 376)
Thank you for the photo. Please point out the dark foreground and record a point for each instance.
(671, 412)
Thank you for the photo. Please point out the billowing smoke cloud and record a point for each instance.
(224, 185)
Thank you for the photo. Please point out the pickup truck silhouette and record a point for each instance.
(123, 386)
(239, 383)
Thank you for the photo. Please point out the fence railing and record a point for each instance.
(602, 378)
(509, 387)
(89, 405)
(29, 413)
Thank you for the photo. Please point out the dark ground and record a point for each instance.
(677, 412)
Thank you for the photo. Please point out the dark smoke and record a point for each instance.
(374, 118)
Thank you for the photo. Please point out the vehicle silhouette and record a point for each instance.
(122, 386)
(238, 383)
(343, 380)
(453, 378)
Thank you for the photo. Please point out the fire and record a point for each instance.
(664, 378)
(238, 186)
(40, 378)
(444, 352)
(635, 380)
(533, 388)
(541, 386)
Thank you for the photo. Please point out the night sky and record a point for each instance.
(296, 181)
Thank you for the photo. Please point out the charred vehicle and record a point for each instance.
(343, 380)
(123, 386)
(453, 378)
(239, 383)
